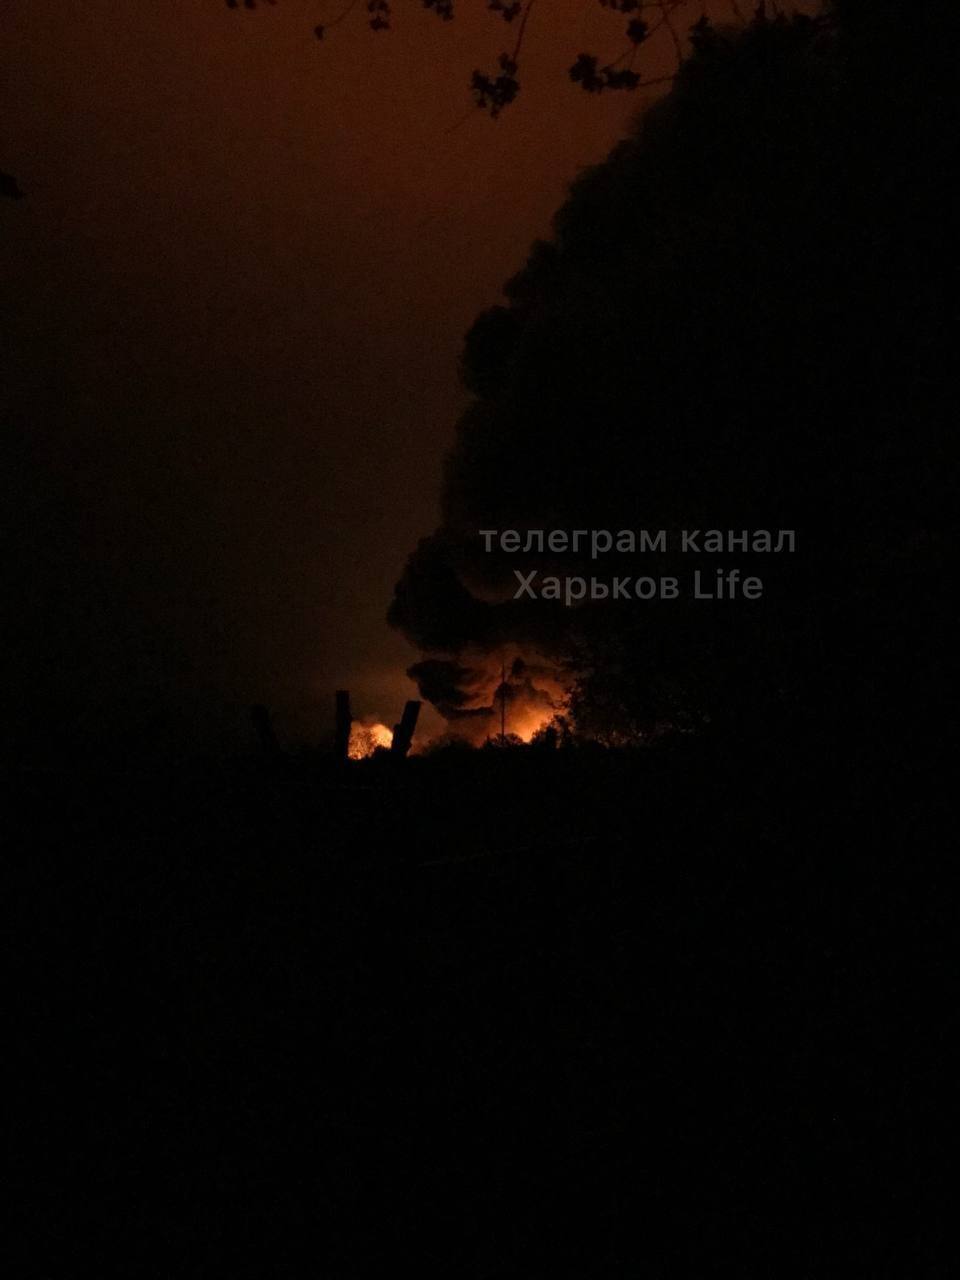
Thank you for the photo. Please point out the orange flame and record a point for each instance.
(365, 738)
(525, 722)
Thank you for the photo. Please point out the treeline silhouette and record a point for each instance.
(511, 1011)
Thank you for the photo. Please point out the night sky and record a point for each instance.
(235, 298)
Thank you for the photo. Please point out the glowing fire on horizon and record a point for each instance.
(366, 738)
(520, 722)
(511, 697)
(524, 723)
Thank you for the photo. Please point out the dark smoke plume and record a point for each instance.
(737, 324)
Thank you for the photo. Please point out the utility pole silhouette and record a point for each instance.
(404, 731)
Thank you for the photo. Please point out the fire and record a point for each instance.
(365, 738)
(530, 693)
(527, 721)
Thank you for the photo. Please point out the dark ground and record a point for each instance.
(501, 1013)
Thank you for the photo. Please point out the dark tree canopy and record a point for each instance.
(740, 322)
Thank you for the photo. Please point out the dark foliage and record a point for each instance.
(492, 93)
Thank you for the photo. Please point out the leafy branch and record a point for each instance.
(494, 90)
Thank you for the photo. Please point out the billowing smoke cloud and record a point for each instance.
(713, 338)
(489, 653)
(483, 694)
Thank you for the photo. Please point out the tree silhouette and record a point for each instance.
(494, 89)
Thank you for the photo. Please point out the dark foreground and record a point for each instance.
(674, 1013)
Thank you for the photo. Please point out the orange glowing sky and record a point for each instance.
(238, 292)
